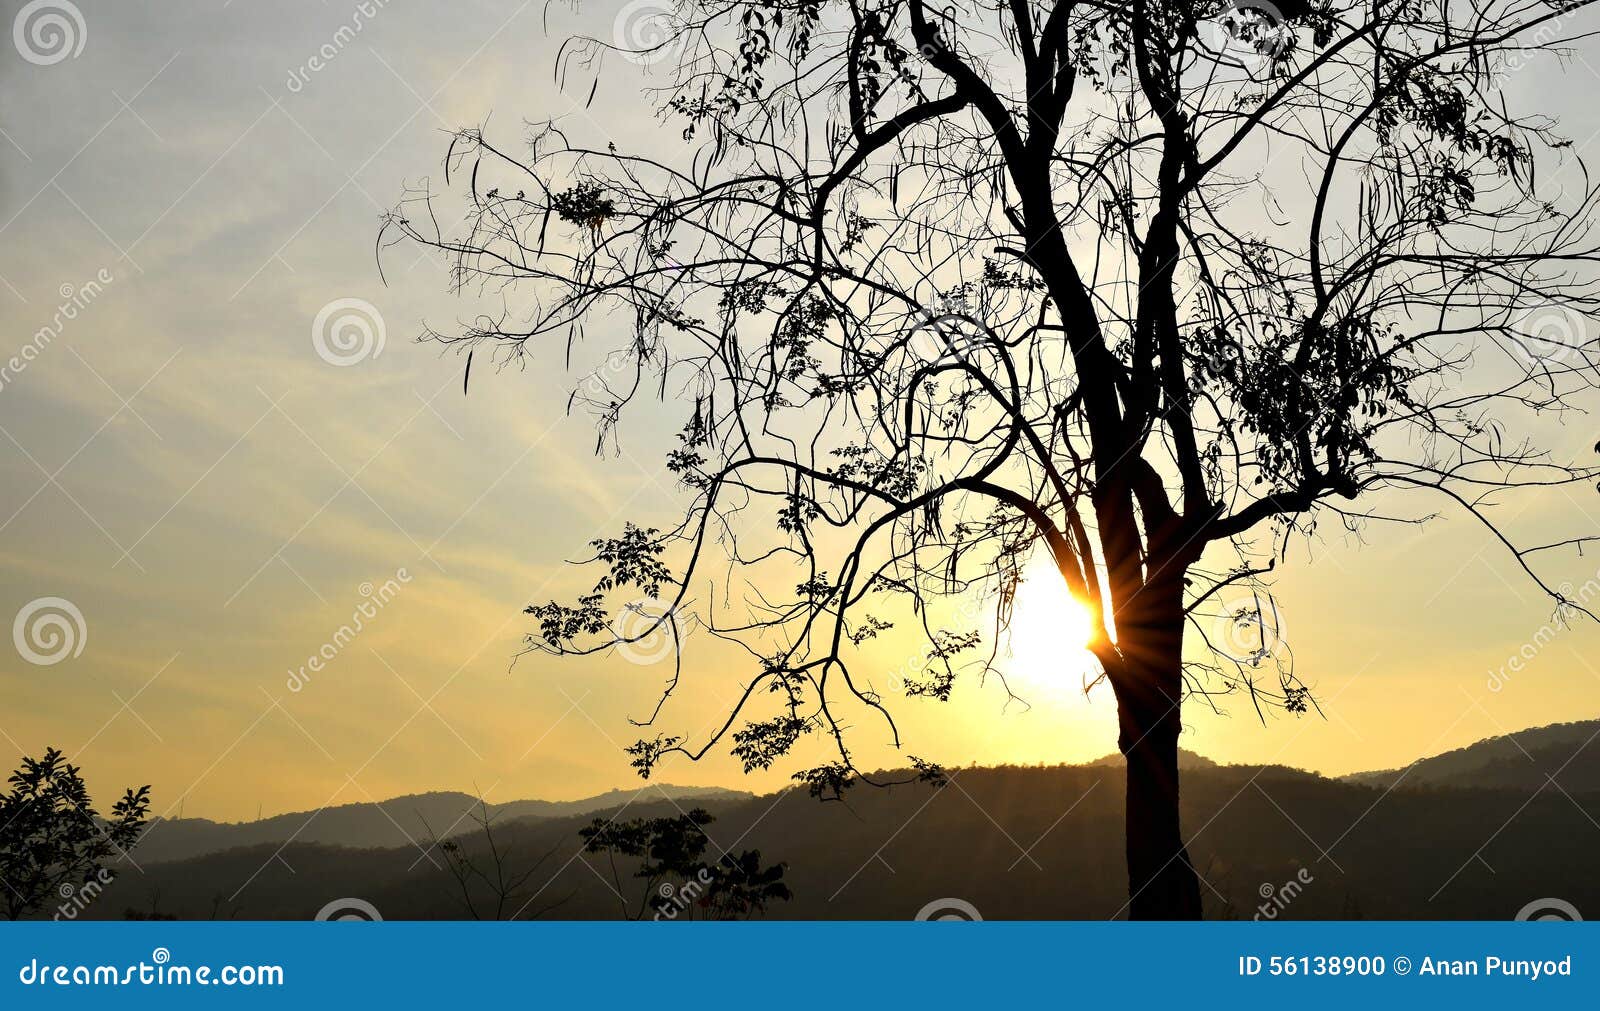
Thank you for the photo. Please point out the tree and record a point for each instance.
(678, 880)
(495, 880)
(1153, 288)
(50, 836)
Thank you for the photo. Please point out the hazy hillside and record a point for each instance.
(1522, 761)
(396, 822)
(1014, 842)
(1188, 761)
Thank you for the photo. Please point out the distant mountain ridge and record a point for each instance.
(1034, 842)
(1524, 760)
(1187, 761)
(399, 821)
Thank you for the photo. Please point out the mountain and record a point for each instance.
(390, 823)
(1016, 843)
(1188, 761)
(1521, 761)
(1472, 834)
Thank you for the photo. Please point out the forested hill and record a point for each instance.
(1015, 843)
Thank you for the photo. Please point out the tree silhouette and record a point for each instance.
(678, 880)
(1152, 288)
(489, 883)
(52, 841)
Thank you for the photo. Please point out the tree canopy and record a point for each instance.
(52, 841)
(1151, 288)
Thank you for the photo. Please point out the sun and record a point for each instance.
(1050, 630)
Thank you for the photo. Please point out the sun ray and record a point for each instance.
(1049, 632)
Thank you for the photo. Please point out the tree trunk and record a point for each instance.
(1162, 884)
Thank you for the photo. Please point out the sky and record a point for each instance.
(205, 492)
